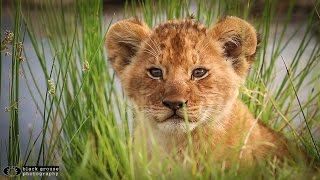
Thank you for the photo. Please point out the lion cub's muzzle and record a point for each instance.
(176, 107)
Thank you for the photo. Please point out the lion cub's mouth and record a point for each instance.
(174, 117)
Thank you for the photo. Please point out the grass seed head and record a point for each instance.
(86, 66)
(52, 88)
(8, 38)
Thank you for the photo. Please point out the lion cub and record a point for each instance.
(184, 77)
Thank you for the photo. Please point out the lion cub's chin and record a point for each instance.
(177, 126)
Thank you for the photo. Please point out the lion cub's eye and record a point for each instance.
(155, 73)
(199, 73)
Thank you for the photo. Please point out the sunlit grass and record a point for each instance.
(86, 117)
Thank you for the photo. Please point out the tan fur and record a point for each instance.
(214, 112)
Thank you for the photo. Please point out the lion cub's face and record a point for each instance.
(181, 69)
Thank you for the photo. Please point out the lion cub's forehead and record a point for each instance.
(178, 31)
(177, 38)
(183, 27)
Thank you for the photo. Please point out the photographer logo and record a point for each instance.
(12, 171)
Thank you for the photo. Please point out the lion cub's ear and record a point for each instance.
(239, 41)
(123, 40)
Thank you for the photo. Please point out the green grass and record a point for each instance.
(81, 107)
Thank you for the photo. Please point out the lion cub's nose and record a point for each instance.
(174, 105)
